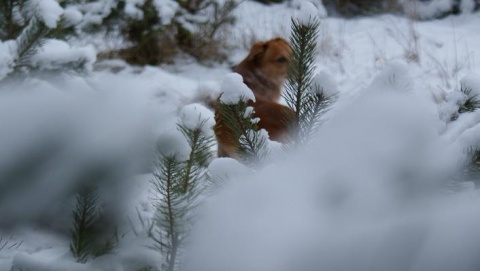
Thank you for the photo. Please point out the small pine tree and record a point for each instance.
(177, 182)
(253, 143)
(307, 99)
(90, 237)
(85, 215)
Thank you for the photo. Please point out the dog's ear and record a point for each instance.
(257, 51)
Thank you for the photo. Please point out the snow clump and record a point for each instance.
(323, 83)
(234, 90)
(49, 12)
(471, 83)
(307, 13)
(172, 143)
(196, 116)
(56, 52)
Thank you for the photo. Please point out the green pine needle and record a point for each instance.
(178, 185)
(308, 102)
(253, 146)
(84, 217)
(472, 102)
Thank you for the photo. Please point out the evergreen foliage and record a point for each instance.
(87, 237)
(193, 27)
(253, 144)
(178, 184)
(305, 98)
(471, 102)
(22, 26)
(84, 217)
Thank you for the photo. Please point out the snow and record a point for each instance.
(307, 13)
(395, 77)
(226, 169)
(196, 116)
(7, 50)
(367, 193)
(324, 83)
(172, 143)
(234, 90)
(56, 52)
(166, 10)
(72, 16)
(471, 82)
(49, 11)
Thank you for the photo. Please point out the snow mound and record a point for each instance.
(325, 83)
(197, 116)
(308, 13)
(234, 90)
(173, 143)
(49, 11)
(55, 53)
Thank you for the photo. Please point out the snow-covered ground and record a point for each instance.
(364, 195)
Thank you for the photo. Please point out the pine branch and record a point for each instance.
(170, 207)
(301, 68)
(177, 184)
(84, 217)
(29, 41)
(10, 12)
(253, 144)
(200, 155)
(306, 99)
(472, 101)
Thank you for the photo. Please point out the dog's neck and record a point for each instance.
(262, 86)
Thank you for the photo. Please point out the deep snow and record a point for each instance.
(366, 194)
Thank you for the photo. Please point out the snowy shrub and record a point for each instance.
(179, 177)
(431, 9)
(308, 95)
(157, 30)
(351, 8)
(33, 38)
(419, 9)
(336, 204)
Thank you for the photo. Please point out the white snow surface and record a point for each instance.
(472, 83)
(234, 90)
(49, 11)
(57, 52)
(325, 84)
(366, 194)
(72, 16)
(197, 116)
(308, 12)
(7, 57)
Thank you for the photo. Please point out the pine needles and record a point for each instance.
(88, 239)
(177, 182)
(22, 27)
(301, 94)
(29, 41)
(84, 217)
(472, 101)
(253, 144)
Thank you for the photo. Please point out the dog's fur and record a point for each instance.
(264, 70)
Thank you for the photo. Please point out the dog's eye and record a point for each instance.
(282, 59)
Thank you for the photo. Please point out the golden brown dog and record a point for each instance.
(264, 70)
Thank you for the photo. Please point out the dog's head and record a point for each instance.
(265, 68)
(271, 57)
